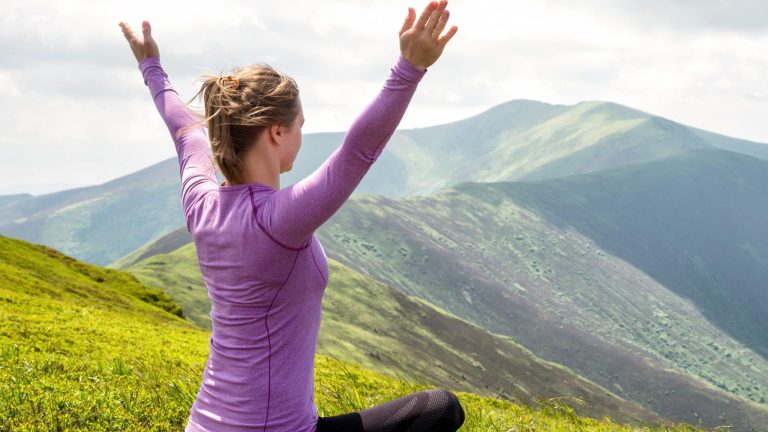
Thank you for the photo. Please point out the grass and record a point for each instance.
(376, 327)
(86, 349)
(342, 388)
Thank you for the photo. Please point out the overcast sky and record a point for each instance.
(75, 110)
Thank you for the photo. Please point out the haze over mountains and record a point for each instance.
(624, 246)
(513, 141)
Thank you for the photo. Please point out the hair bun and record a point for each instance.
(229, 82)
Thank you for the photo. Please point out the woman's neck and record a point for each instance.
(262, 165)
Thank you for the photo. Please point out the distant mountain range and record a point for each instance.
(518, 140)
(645, 268)
(627, 247)
(586, 271)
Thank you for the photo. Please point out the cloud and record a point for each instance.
(688, 15)
(76, 110)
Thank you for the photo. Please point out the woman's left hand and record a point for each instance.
(142, 48)
(422, 42)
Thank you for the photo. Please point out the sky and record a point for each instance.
(75, 110)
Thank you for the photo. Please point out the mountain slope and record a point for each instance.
(165, 244)
(516, 140)
(490, 254)
(85, 348)
(13, 199)
(372, 325)
(101, 223)
(695, 223)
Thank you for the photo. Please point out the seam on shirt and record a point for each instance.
(381, 144)
(193, 206)
(317, 266)
(269, 341)
(261, 227)
(373, 156)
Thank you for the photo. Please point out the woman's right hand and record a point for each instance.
(421, 42)
(142, 48)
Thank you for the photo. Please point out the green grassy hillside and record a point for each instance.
(534, 261)
(370, 324)
(165, 244)
(178, 275)
(488, 255)
(85, 348)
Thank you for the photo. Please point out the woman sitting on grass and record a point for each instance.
(263, 266)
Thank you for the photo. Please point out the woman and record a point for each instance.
(264, 268)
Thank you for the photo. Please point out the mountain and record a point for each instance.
(518, 140)
(695, 223)
(648, 280)
(619, 275)
(88, 348)
(164, 245)
(99, 224)
(373, 325)
(528, 140)
(13, 199)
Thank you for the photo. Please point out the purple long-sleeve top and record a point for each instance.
(264, 268)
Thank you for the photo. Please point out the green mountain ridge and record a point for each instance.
(710, 198)
(493, 254)
(370, 324)
(652, 138)
(517, 140)
(87, 348)
(100, 223)
(505, 264)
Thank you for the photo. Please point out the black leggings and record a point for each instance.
(430, 410)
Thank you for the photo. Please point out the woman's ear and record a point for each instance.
(276, 133)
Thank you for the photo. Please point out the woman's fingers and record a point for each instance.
(447, 37)
(146, 30)
(409, 20)
(440, 24)
(425, 15)
(423, 43)
(130, 36)
(133, 41)
(435, 16)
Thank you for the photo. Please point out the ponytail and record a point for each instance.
(239, 107)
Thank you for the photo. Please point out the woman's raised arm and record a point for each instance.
(292, 214)
(196, 167)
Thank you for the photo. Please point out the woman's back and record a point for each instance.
(263, 266)
(266, 299)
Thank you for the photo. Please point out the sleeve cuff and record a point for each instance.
(408, 71)
(149, 61)
(147, 64)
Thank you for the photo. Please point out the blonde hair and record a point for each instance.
(238, 107)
